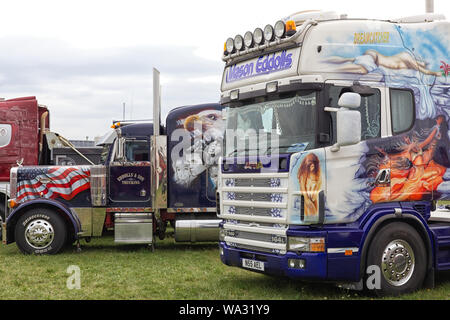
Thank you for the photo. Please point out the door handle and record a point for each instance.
(383, 177)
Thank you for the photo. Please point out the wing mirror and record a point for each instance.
(348, 121)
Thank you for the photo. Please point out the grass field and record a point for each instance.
(173, 271)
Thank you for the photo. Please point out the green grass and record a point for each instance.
(173, 271)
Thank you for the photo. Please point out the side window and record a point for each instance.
(5, 134)
(370, 110)
(137, 150)
(402, 110)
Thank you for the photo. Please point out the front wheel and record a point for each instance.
(40, 231)
(399, 253)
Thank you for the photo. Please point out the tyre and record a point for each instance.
(399, 252)
(2, 216)
(40, 231)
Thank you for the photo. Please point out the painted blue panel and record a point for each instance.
(195, 135)
(129, 185)
(441, 232)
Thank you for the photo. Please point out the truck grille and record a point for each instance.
(254, 209)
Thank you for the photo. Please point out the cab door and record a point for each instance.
(359, 175)
(129, 173)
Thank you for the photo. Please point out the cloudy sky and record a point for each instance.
(85, 59)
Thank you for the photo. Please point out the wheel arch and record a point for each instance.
(70, 220)
(410, 217)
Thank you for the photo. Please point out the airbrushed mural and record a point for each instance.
(398, 57)
(65, 183)
(309, 169)
(195, 167)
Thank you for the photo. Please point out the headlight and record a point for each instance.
(280, 29)
(268, 33)
(258, 36)
(248, 39)
(238, 42)
(303, 244)
(229, 45)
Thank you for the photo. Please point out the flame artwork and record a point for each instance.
(414, 173)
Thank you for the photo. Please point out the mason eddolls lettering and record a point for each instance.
(263, 65)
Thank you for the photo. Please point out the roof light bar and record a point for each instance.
(281, 32)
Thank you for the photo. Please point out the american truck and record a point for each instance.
(336, 161)
(152, 175)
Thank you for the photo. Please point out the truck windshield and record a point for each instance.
(290, 118)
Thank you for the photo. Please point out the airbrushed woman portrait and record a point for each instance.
(310, 181)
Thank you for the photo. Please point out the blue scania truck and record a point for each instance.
(152, 175)
(336, 165)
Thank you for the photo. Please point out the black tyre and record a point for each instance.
(40, 231)
(399, 252)
(2, 213)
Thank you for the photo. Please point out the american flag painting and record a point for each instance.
(51, 182)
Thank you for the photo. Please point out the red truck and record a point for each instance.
(23, 122)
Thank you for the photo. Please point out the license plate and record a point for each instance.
(253, 264)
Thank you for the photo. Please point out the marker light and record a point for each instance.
(229, 45)
(248, 39)
(239, 42)
(12, 203)
(290, 28)
(272, 87)
(225, 52)
(258, 36)
(268, 33)
(234, 95)
(280, 29)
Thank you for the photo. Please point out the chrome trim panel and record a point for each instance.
(13, 182)
(98, 186)
(133, 228)
(254, 208)
(342, 250)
